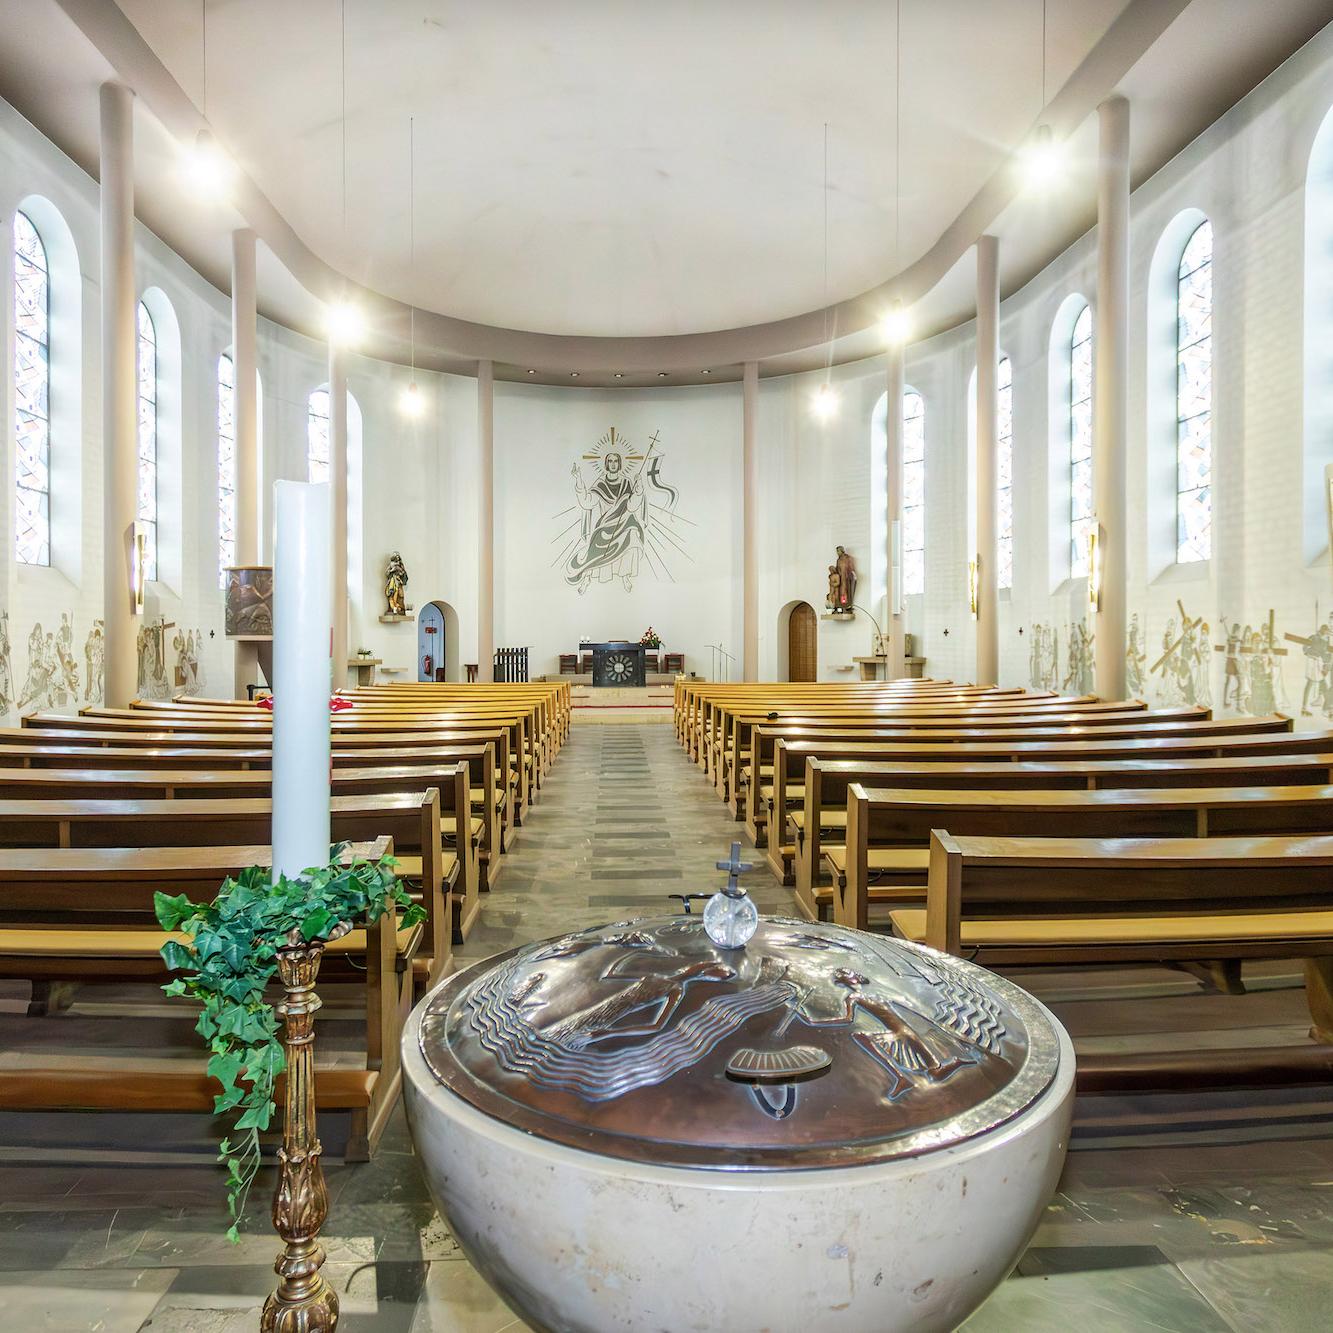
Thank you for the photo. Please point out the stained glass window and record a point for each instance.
(32, 394)
(317, 435)
(147, 512)
(1004, 473)
(1194, 398)
(1080, 443)
(914, 493)
(226, 467)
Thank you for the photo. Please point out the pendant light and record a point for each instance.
(1043, 157)
(897, 324)
(411, 404)
(826, 397)
(207, 167)
(343, 319)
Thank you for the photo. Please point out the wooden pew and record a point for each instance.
(411, 820)
(87, 915)
(820, 826)
(1061, 902)
(889, 830)
(969, 743)
(45, 784)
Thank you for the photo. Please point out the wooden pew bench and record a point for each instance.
(1061, 902)
(86, 916)
(819, 839)
(450, 780)
(889, 830)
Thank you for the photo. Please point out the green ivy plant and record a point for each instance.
(230, 959)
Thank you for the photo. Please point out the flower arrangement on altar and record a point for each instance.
(650, 638)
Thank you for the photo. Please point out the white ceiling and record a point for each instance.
(613, 184)
(619, 169)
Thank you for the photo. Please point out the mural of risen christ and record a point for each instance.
(615, 510)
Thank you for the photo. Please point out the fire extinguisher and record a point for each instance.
(428, 666)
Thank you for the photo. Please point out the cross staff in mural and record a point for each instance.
(1317, 649)
(1183, 663)
(1252, 668)
(619, 525)
(1135, 659)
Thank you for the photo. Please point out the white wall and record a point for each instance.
(413, 487)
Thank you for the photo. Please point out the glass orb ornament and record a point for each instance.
(731, 918)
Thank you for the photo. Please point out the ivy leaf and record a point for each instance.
(172, 910)
(177, 957)
(317, 924)
(257, 1117)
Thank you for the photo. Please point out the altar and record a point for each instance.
(619, 663)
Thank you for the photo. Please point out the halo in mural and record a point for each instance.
(623, 519)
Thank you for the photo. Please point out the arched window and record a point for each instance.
(226, 467)
(1080, 443)
(1004, 473)
(914, 493)
(32, 394)
(147, 511)
(1194, 398)
(317, 435)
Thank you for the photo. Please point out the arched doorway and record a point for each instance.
(437, 642)
(802, 643)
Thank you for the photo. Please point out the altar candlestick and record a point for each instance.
(302, 676)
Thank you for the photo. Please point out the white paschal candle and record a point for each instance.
(302, 676)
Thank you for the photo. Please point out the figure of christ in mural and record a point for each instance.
(615, 509)
(6, 666)
(1035, 650)
(1232, 677)
(94, 656)
(66, 683)
(1135, 659)
(36, 692)
(626, 518)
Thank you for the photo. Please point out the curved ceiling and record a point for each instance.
(603, 186)
(619, 170)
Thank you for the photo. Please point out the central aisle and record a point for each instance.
(624, 821)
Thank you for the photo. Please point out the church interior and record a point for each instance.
(666, 667)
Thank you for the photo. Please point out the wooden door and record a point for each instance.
(802, 643)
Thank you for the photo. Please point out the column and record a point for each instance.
(338, 500)
(1110, 395)
(987, 552)
(749, 522)
(120, 455)
(895, 622)
(244, 356)
(485, 519)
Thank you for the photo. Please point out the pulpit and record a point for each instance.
(617, 663)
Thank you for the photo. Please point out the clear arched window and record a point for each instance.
(32, 394)
(1080, 443)
(1004, 472)
(147, 510)
(1194, 398)
(914, 493)
(317, 436)
(226, 466)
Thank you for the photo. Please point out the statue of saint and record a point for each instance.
(615, 512)
(842, 584)
(395, 585)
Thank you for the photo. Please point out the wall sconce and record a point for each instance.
(138, 564)
(973, 568)
(1095, 566)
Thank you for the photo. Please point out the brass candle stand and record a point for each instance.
(304, 1302)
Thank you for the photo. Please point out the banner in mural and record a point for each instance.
(623, 518)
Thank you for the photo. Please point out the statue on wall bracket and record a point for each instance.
(841, 599)
(395, 586)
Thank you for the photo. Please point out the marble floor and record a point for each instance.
(1220, 1229)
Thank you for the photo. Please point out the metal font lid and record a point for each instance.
(812, 1046)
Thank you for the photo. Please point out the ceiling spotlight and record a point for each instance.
(532, 372)
(1042, 157)
(412, 404)
(207, 167)
(573, 374)
(344, 323)
(826, 401)
(620, 374)
(705, 372)
(897, 326)
(661, 374)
